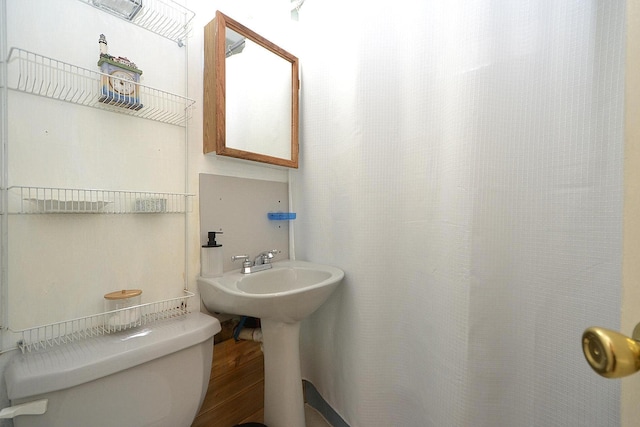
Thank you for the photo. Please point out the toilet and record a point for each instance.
(154, 375)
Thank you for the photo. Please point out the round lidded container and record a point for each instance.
(123, 300)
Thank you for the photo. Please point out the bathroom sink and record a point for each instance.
(281, 297)
(288, 292)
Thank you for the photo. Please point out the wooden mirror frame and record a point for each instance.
(214, 103)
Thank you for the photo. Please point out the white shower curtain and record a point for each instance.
(462, 162)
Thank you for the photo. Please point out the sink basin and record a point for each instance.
(288, 292)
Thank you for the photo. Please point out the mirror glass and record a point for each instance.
(250, 95)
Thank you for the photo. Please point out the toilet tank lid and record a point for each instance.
(69, 365)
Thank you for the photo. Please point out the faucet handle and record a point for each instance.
(245, 263)
(265, 257)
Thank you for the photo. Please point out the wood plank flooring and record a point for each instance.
(236, 386)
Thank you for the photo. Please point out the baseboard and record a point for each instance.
(315, 400)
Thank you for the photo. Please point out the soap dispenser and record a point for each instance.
(211, 257)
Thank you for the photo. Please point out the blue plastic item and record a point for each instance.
(281, 216)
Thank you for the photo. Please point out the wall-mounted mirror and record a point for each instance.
(250, 95)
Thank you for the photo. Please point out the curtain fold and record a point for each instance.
(462, 162)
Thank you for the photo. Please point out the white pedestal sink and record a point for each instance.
(281, 297)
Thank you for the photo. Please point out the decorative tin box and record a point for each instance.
(120, 82)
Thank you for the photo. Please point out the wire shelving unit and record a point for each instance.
(36, 74)
(166, 18)
(48, 200)
(59, 333)
(40, 75)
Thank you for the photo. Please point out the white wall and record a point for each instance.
(269, 19)
(60, 266)
(56, 144)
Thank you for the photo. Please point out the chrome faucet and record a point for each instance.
(261, 262)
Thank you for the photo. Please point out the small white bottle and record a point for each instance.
(211, 257)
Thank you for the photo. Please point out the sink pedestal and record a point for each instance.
(283, 399)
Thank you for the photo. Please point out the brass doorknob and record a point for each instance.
(610, 353)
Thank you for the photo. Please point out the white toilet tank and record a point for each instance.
(155, 375)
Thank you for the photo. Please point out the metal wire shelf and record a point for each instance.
(47, 200)
(59, 333)
(163, 17)
(40, 75)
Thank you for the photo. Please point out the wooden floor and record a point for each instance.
(236, 386)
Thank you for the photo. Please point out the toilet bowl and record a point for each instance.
(154, 375)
